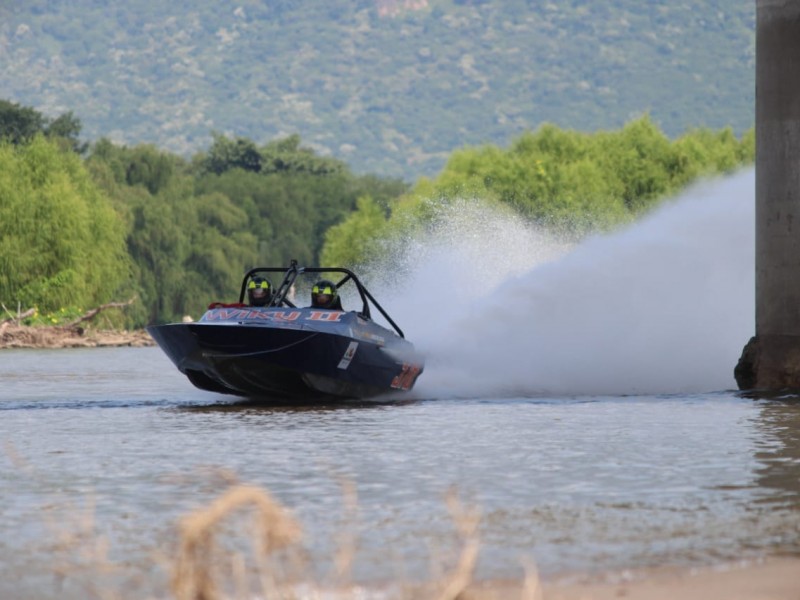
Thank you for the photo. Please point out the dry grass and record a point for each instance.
(201, 564)
(244, 545)
(466, 521)
(205, 570)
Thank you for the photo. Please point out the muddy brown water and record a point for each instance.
(114, 444)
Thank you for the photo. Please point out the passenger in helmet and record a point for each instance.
(325, 295)
(259, 291)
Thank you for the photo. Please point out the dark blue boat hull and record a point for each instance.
(290, 353)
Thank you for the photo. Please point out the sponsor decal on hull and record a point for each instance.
(406, 378)
(348, 355)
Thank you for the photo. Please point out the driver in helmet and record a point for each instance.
(325, 295)
(259, 291)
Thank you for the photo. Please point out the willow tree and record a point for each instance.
(61, 242)
(357, 239)
(566, 181)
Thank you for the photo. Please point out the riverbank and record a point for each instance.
(77, 333)
(775, 578)
(13, 335)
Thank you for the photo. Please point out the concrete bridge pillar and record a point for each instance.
(771, 359)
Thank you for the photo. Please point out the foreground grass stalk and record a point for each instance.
(196, 564)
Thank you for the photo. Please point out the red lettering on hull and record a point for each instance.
(292, 316)
(324, 315)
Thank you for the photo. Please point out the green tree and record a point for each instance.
(290, 211)
(143, 164)
(188, 246)
(19, 124)
(288, 155)
(66, 128)
(356, 240)
(149, 167)
(568, 181)
(226, 154)
(61, 241)
(639, 156)
(188, 250)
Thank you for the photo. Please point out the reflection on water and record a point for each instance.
(779, 453)
(293, 405)
(117, 438)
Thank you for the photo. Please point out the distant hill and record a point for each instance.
(390, 86)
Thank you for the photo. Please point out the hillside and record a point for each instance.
(390, 86)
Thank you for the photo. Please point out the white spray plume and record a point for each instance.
(664, 306)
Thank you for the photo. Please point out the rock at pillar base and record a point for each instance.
(769, 362)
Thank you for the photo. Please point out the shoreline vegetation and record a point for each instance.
(124, 221)
(77, 333)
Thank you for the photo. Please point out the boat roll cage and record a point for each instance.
(293, 271)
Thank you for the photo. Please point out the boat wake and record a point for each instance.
(663, 306)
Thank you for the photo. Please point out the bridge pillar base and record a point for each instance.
(769, 362)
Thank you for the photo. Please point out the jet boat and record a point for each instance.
(282, 350)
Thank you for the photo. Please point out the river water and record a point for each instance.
(581, 398)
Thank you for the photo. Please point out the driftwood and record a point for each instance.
(13, 334)
(87, 316)
(18, 317)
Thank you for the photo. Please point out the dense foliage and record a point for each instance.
(138, 221)
(61, 241)
(19, 124)
(563, 180)
(390, 86)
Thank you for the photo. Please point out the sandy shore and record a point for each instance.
(20, 336)
(771, 579)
